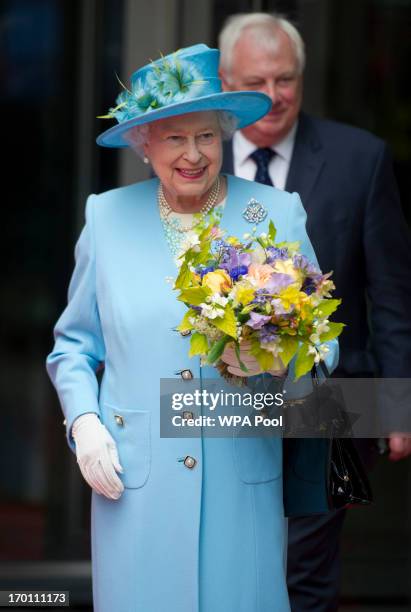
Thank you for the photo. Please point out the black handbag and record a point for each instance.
(347, 481)
(322, 474)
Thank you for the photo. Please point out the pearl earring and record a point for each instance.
(146, 160)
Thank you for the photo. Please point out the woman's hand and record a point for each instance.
(230, 358)
(97, 455)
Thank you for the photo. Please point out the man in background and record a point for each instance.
(345, 179)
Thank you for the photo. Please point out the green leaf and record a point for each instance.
(292, 247)
(334, 331)
(248, 309)
(265, 358)
(203, 255)
(204, 235)
(194, 295)
(272, 232)
(327, 307)
(227, 324)
(184, 276)
(185, 323)
(289, 344)
(262, 242)
(217, 349)
(198, 345)
(238, 355)
(304, 361)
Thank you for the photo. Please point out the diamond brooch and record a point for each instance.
(254, 212)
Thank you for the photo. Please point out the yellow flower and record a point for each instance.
(218, 281)
(290, 296)
(233, 241)
(285, 266)
(243, 293)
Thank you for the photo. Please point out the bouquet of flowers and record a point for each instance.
(264, 293)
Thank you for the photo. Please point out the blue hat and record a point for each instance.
(183, 82)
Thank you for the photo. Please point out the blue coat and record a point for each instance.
(207, 539)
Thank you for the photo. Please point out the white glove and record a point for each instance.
(230, 358)
(97, 455)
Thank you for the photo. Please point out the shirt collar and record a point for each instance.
(244, 147)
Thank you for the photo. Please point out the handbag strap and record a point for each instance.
(314, 372)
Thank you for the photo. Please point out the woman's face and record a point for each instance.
(186, 154)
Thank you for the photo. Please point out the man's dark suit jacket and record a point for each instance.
(354, 219)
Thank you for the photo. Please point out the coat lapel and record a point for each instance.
(307, 161)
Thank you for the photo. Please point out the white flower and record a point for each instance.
(323, 350)
(204, 326)
(210, 311)
(216, 298)
(319, 353)
(315, 299)
(313, 351)
(322, 327)
(191, 240)
(273, 347)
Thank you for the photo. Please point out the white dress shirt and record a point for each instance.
(245, 167)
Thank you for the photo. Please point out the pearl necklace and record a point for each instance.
(166, 210)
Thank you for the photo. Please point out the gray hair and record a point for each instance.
(138, 135)
(263, 27)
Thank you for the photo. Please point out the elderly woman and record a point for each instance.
(178, 524)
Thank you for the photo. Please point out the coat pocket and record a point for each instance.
(258, 459)
(131, 432)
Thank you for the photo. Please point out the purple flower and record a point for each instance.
(261, 297)
(310, 270)
(233, 257)
(238, 271)
(256, 320)
(304, 264)
(309, 286)
(235, 263)
(277, 282)
(276, 253)
(202, 271)
(268, 333)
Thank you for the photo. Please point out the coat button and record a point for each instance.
(185, 332)
(189, 462)
(187, 414)
(119, 420)
(186, 374)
